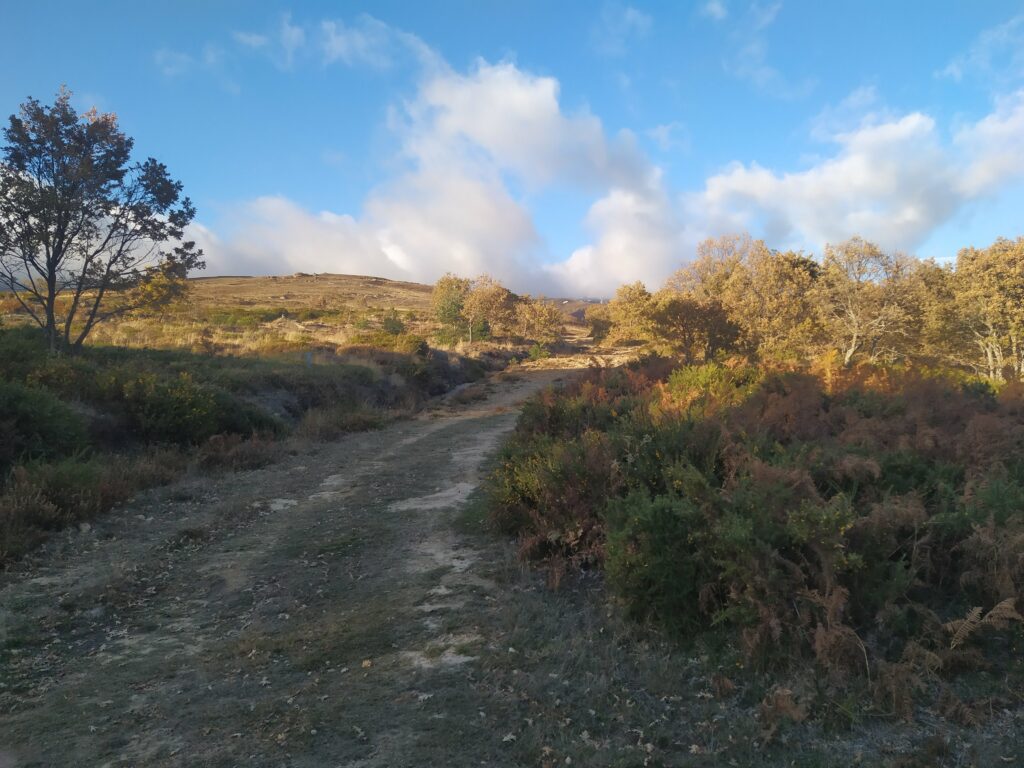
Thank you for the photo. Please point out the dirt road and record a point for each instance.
(342, 607)
(317, 612)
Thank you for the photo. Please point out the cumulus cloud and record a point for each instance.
(638, 235)
(475, 144)
(517, 120)
(273, 235)
(891, 180)
(463, 137)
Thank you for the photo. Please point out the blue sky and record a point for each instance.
(565, 146)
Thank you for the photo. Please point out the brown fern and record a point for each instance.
(963, 628)
(997, 618)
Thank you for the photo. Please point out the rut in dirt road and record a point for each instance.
(319, 612)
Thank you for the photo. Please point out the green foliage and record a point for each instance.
(330, 423)
(657, 559)
(43, 496)
(181, 411)
(392, 323)
(789, 511)
(448, 298)
(60, 166)
(36, 425)
(539, 352)
(405, 343)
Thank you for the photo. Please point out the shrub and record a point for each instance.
(392, 323)
(184, 412)
(79, 488)
(233, 452)
(21, 351)
(47, 496)
(36, 425)
(840, 521)
(538, 352)
(323, 424)
(657, 559)
(25, 513)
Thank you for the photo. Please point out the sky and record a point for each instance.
(563, 147)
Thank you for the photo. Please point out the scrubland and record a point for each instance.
(216, 382)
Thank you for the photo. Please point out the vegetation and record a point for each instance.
(484, 309)
(868, 521)
(820, 471)
(85, 432)
(856, 304)
(86, 234)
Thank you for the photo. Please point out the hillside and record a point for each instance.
(302, 291)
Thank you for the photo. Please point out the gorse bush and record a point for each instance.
(181, 411)
(36, 425)
(844, 520)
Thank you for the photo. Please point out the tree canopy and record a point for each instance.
(86, 232)
(856, 303)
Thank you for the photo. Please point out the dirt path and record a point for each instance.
(341, 608)
(285, 616)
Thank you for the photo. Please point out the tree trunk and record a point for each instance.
(52, 336)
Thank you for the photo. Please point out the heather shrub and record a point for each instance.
(850, 522)
(78, 487)
(538, 352)
(551, 493)
(42, 496)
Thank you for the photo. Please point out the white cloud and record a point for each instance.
(747, 56)
(861, 108)
(516, 119)
(463, 136)
(474, 145)
(250, 39)
(172, 63)
(669, 136)
(715, 9)
(638, 235)
(292, 38)
(272, 235)
(995, 145)
(996, 57)
(369, 43)
(892, 180)
(617, 27)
